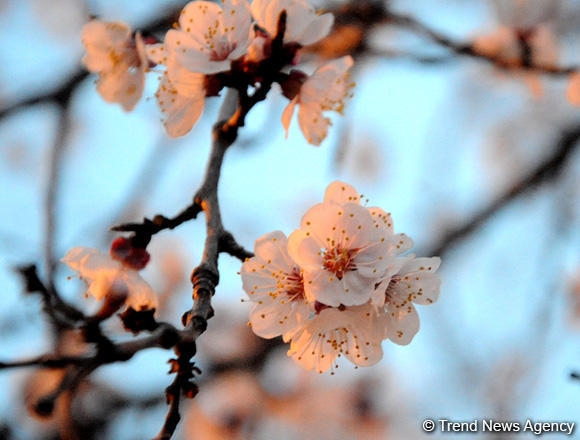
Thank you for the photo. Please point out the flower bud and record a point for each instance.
(293, 83)
(122, 250)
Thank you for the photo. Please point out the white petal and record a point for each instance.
(141, 295)
(366, 330)
(237, 21)
(197, 16)
(186, 51)
(313, 124)
(180, 112)
(305, 250)
(324, 287)
(104, 43)
(271, 319)
(287, 115)
(316, 30)
(402, 324)
(382, 219)
(341, 192)
(124, 85)
(156, 53)
(186, 83)
(311, 350)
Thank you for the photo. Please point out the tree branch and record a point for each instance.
(467, 49)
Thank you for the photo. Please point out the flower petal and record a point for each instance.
(341, 192)
(316, 30)
(287, 115)
(180, 112)
(402, 324)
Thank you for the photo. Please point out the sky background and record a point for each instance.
(433, 144)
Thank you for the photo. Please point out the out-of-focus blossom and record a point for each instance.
(226, 408)
(210, 35)
(107, 276)
(119, 59)
(526, 14)
(303, 25)
(521, 51)
(326, 90)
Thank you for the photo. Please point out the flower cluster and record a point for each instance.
(339, 285)
(236, 45)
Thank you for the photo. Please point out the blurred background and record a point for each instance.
(477, 162)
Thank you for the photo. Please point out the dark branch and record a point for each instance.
(61, 314)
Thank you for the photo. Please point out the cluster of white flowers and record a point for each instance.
(215, 46)
(339, 285)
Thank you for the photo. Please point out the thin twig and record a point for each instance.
(205, 277)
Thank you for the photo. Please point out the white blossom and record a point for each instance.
(119, 59)
(210, 35)
(326, 90)
(338, 286)
(273, 281)
(104, 275)
(414, 283)
(344, 251)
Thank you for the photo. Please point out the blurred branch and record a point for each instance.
(467, 49)
(543, 172)
(355, 20)
(51, 194)
(61, 314)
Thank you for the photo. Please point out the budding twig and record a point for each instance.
(205, 277)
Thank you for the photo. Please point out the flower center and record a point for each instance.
(338, 260)
(294, 285)
(222, 50)
(319, 307)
